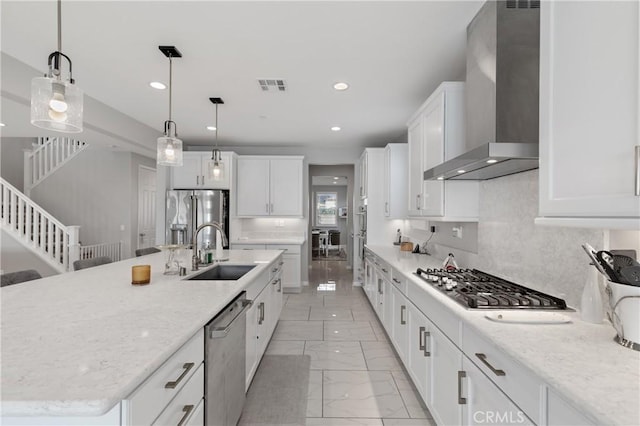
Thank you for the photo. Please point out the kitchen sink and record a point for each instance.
(223, 272)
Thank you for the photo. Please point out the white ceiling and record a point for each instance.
(392, 53)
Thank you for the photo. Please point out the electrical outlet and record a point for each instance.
(433, 228)
(456, 232)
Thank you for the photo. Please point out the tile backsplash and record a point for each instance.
(510, 245)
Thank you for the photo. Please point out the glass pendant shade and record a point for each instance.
(169, 151)
(216, 169)
(56, 105)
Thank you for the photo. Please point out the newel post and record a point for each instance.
(74, 244)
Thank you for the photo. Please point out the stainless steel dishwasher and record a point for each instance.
(225, 364)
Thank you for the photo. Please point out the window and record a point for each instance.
(326, 208)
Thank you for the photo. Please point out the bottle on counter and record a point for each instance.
(591, 302)
(398, 240)
(449, 263)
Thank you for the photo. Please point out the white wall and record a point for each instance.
(15, 257)
(12, 159)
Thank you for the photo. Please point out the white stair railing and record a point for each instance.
(38, 230)
(49, 156)
(111, 250)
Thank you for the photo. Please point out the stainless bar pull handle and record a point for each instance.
(402, 309)
(483, 358)
(261, 310)
(271, 207)
(396, 281)
(461, 375)
(637, 148)
(384, 270)
(418, 202)
(427, 337)
(187, 367)
(279, 285)
(220, 332)
(421, 342)
(187, 409)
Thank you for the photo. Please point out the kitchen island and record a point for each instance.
(562, 373)
(77, 344)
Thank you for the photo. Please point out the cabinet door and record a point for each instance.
(416, 178)
(446, 363)
(485, 403)
(433, 154)
(561, 413)
(253, 187)
(399, 323)
(189, 176)
(589, 112)
(286, 187)
(370, 281)
(251, 340)
(386, 186)
(418, 351)
(379, 296)
(227, 168)
(291, 274)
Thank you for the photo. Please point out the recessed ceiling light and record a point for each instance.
(157, 85)
(461, 171)
(335, 129)
(440, 177)
(492, 161)
(341, 86)
(212, 128)
(336, 178)
(2, 124)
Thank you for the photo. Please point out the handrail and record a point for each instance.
(50, 155)
(37, 229)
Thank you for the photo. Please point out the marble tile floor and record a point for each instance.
(356, 377)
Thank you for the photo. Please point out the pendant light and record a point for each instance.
(216, 165)
(56, 103)
(169, 146)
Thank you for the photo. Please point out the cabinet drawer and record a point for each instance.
(398, 279)
(520, 385)
(183, 407)
(288, 248)
(152, 396)
(383, 268)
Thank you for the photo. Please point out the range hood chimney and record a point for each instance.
(501, 94)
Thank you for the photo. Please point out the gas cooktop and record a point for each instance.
(478, 290)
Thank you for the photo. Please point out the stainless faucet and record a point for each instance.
(194, 258)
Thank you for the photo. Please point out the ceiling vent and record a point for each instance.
(272, 85)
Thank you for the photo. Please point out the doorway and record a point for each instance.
(146, 207)
(330, 218)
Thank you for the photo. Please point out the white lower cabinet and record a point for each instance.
(291, 268)
(482, 401)
(182, 408)
(446, 362)
(197, 418)
(561, 413)
(398, 321)
(262, 317)
(180, 380)
(419, 352)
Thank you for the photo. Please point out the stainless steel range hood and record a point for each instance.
(501, 94)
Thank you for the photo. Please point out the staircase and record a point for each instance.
(49, 156)
(37, 230)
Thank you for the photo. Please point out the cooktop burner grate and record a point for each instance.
(479, 290)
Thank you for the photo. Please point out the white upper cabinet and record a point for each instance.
(395, 181)
(436, 134)
(269, 186)
(589, 114)
(195, 174)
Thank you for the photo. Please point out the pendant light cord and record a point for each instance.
(170, 83)
(59, 25)
(216, 126)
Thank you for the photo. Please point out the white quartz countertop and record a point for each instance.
(579, 360)
(78, 343)
(269, 240)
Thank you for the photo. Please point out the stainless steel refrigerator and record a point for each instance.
(188, 209)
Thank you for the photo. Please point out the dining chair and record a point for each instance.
(18, 277)
(90, 263)
(147, 250)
